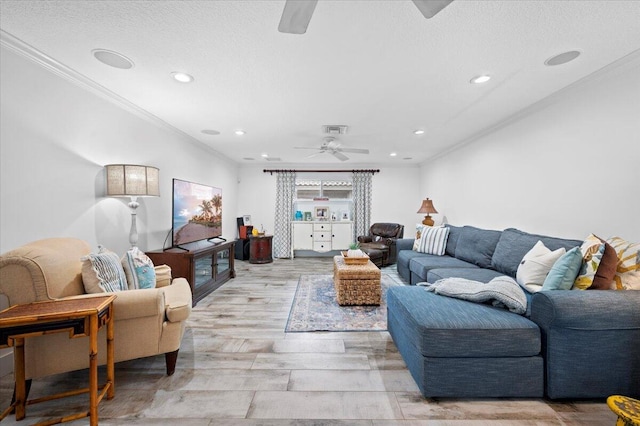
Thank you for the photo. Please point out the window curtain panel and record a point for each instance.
(361, 203)
(285, 192)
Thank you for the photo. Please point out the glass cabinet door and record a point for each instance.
(223, 261)
(203, 270)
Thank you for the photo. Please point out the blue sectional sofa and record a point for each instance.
(570, 344)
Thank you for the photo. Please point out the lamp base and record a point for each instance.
(428, 221)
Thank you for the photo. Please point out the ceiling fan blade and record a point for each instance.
(296, 16)
(315, 153)
(429, 8)
(340, 156)
(354, 150)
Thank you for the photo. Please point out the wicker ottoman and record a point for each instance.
(356, 284)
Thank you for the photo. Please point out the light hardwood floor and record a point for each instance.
(238, 367)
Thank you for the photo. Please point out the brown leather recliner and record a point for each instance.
(383, 236)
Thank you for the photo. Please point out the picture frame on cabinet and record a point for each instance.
(321, 213)
(345, 215)
(307, 216)
(246, 219)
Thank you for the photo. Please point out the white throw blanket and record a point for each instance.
(501, 291)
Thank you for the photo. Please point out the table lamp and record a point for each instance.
(427, 207)
(129, 180)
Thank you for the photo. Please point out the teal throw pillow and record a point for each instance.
(564, 272)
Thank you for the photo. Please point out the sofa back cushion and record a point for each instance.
(452, 241)
(477, 245)
(514, 244)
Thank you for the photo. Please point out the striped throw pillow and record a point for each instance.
(432, 240)
(102, 272)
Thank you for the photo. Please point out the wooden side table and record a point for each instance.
(78, 317)
(260, 249)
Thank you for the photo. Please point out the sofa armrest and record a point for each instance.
(587, 309)
(177, 299)
(365, 239)
(404, 244)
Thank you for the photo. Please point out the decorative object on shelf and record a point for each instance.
(427, 207)
(322, 213)
(129, 180)
(246, 219)
(298, 215)
(334, 216)
(345, 216)
(307, 216)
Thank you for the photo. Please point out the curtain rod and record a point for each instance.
(272, 171)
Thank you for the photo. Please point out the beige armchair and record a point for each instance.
(147, 321)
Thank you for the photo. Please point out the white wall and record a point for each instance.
(569, 167)
(395, 198)
(55, 139)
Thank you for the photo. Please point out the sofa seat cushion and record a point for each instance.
(476, 274)
(514, 244)
(423, 263)
(405, 256)
(440, 326)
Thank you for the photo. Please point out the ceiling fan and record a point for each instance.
(332, 146)
(297, 13)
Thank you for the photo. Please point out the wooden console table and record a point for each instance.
(78, 317)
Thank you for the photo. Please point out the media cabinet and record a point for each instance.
(205, 267)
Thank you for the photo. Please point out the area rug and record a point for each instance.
(315, 308)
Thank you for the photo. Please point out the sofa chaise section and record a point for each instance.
(455, 348)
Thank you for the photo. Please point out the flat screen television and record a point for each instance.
(197, 212)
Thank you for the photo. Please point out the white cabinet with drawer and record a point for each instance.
(321, 236)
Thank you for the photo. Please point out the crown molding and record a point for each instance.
(29, 52)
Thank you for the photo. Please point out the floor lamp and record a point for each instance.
(129, 180)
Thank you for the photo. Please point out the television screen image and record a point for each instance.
(197, 212)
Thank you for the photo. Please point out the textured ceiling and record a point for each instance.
(377, 66)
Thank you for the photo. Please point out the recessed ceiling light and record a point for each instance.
(418, 132)
(211, 132)
(182, 77)
(479, 79)
(264, 155)
(113, 59)
(393, 154)
(562, 58)
(240, 132)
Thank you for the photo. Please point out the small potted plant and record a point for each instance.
(354, 250)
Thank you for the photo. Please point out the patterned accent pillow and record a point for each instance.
(102, 272)
(627, 275)
(139, 269)
(535, 266)
(598, 265)
(431, 240)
